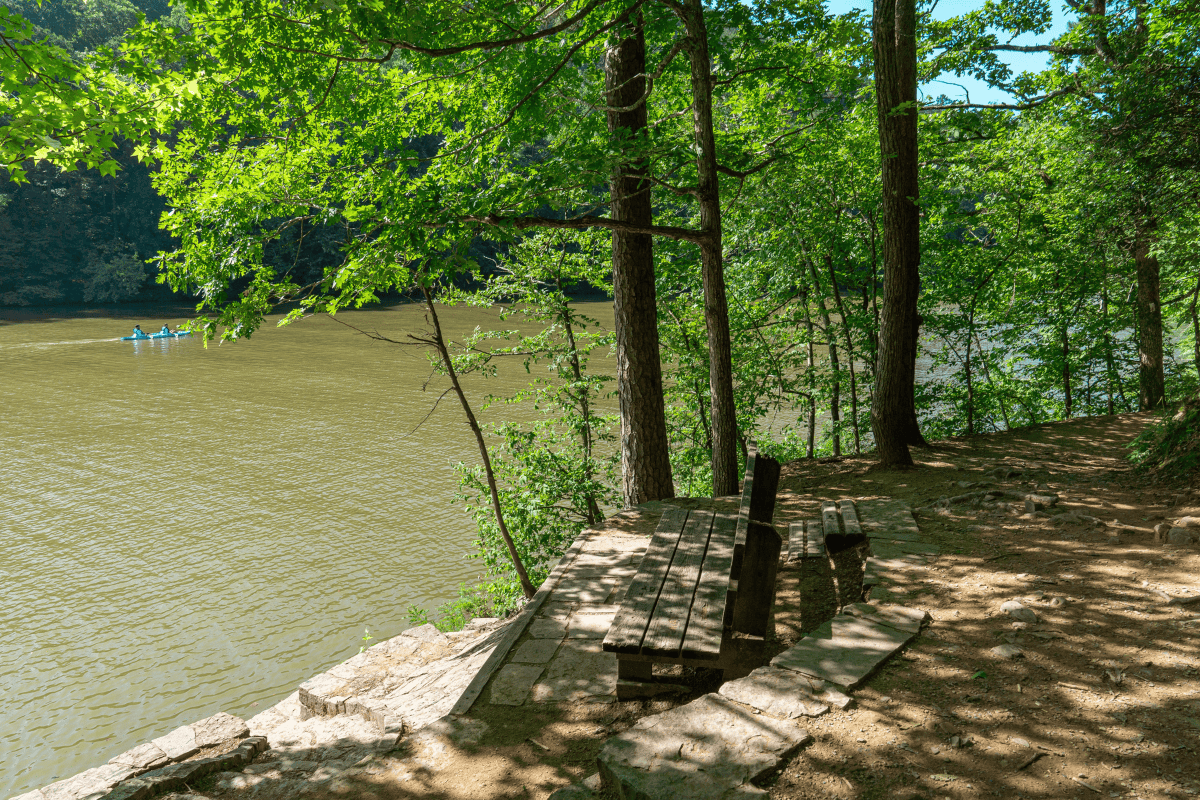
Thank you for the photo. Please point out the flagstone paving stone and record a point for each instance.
(844, 651)
(702, 750)
(511, 685)
(774, 691)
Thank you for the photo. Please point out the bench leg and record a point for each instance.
(634, 670)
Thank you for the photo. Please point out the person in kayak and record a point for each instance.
(166, 330)
(138, 333)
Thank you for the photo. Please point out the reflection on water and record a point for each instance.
(187, 530)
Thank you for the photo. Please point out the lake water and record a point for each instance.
(187, 530)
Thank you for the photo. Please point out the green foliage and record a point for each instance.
(114, 278)
(556, 475)
(1171, 446)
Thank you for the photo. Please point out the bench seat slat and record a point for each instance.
(830, 519)
(850, 518)
(629, 626)
(706, 626)
(669, 622)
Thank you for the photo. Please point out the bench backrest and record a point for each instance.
(758, 500)
(756, 547)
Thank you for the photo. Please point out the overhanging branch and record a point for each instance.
(582, 223)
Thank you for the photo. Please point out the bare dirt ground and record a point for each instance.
(1105, 699)
(1103, 702)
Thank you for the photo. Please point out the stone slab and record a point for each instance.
(887, 519)
(708, 749)
(220, 727)
(843, 651)
(890, 549)
(92, 782)
(547, 628)
(581, 671)
(513, 682)
(179, 743)
(899, 617)
(143, 757)
(877, 570)
(584, 624)
(779, 692)
(584, 590)
(535, 651)
(427, 633)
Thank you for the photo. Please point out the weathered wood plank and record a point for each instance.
(766, 487)
(816, 538)
(850, 521)
(797, 541)
(707, 622)
(669, 621)
(830, 519)
(756, 586)
(805, 540)
(759, 487)
(629, 626)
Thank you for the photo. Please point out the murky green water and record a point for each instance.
(187, 530)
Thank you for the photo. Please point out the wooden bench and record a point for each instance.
(704, 591)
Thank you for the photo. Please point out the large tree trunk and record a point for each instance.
(1151, 382)
(716, 311)
(645, 460)
(893, 410)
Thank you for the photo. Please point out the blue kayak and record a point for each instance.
(156, 336)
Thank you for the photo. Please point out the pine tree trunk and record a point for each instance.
(645, 459)
(1151, 381)
(893, 410)
(716, 311)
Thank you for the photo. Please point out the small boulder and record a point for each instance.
(1007, 651)
(1040, 502)
(1188, 522)
(1180, 536)
(218, 728)
(1019, 612)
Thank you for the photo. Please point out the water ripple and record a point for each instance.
(186, 530)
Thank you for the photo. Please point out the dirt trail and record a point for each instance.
(1104, 700)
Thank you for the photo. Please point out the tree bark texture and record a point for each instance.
(716, 311)
(893, 410)
(1151, 381)
(645, 457)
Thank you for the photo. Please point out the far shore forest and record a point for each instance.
(784, 223)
